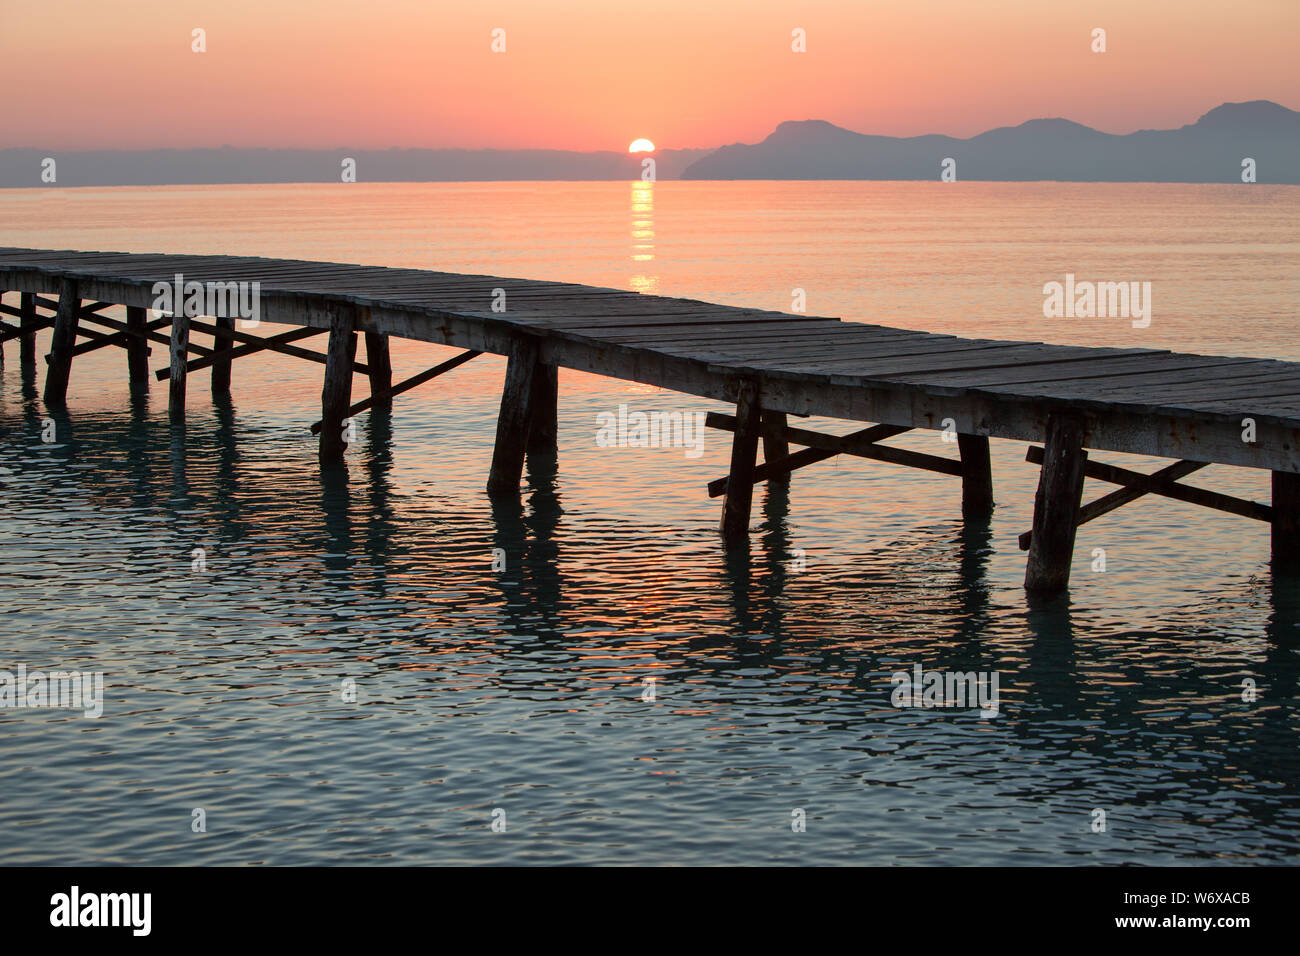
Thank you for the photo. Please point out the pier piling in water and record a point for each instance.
(543, 423)
(1056, 505)
(179, 353)
(379, 366)
(336, 392)
(976, 475)
(1285, 526)
(27, 323)
(744, 450)
(775, 444)
(137, 347)
(63, 342)
(514, 419)
(222, 346)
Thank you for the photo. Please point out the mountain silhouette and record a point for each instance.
(1208, 151)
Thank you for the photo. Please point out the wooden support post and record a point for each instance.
(62, 344)
(775, 445)
(544, 429)
(976, 476)
(221, 349)
(27, 342)
(514, 418)
(137, 347)
(380, 370)
(180, 344)
(1286, 518)
(336, 394)
(1056, 505)
(744, 451)
(2, 347)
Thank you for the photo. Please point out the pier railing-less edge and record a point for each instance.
(1197, 410)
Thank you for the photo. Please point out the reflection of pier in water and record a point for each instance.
(354, 517)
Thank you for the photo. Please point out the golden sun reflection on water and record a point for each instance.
(643, 236)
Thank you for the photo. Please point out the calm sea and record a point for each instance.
(519, 695)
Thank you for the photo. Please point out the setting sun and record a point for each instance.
(641, 146)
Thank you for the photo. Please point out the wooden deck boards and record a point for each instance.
(650, 337)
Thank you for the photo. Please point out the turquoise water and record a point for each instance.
(523, 689)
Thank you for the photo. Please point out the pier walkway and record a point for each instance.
(1195, 409)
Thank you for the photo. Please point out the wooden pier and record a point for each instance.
(1195, 409)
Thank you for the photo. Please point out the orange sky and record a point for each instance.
(595, 74)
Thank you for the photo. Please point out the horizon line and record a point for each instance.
(658, 149)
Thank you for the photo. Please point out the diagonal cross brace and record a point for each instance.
(861, 444)
(254, 343)
(1162, 483)
(407, 385)
(99, 340)
(128, 330)
(217, 331)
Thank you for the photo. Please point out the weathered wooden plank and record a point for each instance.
(651, 334)
(740, 335)
(1056, 505)
(1220, 388)
(1090, 371)
(1168, 373)
(740, 341)
(867, 355)
(962, 356)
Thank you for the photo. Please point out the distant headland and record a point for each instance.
(1235, 142)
